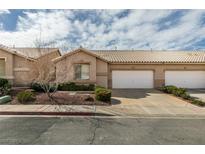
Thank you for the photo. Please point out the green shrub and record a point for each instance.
(67, 86)
(170, 89)
(173, 90)
(71, 86)
(91, 87)
(103, 94)
(179, 92)
(25, 96)
(185, 96)
(198, 102)
(38, 88)
(5, 87)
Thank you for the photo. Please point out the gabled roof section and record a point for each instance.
(142, 56)
(36, 53)
(13, 51)
(76, 51)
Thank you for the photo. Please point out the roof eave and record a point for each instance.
(180, 63)
(17, 54)
(76, 51)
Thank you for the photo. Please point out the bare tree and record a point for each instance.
(45, 68)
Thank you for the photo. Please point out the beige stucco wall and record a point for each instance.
(65, 67)
(98, 69)
(158, 69)
(27, 71)
(101, 73)
(21, 71)
(8, 64)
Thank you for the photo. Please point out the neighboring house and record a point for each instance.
(132, 69)
(19, 64)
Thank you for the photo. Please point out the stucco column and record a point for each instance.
(159, 77)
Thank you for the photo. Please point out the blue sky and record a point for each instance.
(105, 29)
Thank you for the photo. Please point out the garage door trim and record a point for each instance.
(150, 77)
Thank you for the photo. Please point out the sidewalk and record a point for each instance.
(113, 110)
(49, 110)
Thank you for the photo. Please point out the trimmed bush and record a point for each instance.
(198, 102)
(173, 90)
(25, 96)
(5, 87)
(103, 94)
(181, 92)
(169, 89)
(71, 86)
(37, 87)
(185, 96)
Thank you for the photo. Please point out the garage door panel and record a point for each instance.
(185, 79)
(132, 79)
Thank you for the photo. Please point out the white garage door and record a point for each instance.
(132, 79)
(185, 79)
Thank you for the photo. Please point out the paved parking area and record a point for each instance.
(150, 102)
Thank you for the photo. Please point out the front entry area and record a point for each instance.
(132, 79)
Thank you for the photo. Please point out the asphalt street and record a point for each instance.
(93, 130)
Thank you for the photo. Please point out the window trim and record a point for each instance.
(74, 78)
(4, 58)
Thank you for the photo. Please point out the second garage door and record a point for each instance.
(132, 79)
(185, 79)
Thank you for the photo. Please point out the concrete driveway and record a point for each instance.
(150, 102)
(198, 93)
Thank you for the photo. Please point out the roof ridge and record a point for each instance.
(187, 51)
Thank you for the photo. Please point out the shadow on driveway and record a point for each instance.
(133, 93)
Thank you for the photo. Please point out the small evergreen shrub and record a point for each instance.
(185, 96)
(25, 96)
(198, 102)
(5, 87)
(103, 94)
(71, 86)
(170, 89)
(181, 92)
(38, 88)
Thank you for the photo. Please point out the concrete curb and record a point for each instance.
(54, 113)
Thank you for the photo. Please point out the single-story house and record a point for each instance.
(19, 64)
(132, 69)
(108, 68)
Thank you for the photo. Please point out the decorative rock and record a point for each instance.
(5, 99)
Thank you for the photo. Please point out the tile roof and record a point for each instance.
(35, 52)
(139, 56)
(13, 51)
(32, 53)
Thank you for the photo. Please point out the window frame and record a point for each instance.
(4, 73)
(74, 70)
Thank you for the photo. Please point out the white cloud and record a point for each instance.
(49, 25)
(4, 12)
(138, 30)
